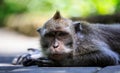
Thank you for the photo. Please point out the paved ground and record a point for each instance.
(13, 44)
(7, 68)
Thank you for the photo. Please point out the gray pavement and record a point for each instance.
(13, 44)
(34, 69)
(53, 70)
(110, 69)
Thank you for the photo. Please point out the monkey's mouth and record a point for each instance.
(56, 56)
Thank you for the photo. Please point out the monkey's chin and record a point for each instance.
(56, 57)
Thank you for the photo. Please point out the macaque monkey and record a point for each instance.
(68, 43)
(79, 43)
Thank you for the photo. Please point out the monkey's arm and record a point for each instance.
(104, 56)
(33, 57)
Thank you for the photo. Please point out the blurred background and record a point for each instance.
(26, 15)
(19, 19)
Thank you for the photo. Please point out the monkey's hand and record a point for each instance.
(45, 62)
(29, 58)
(33, 57)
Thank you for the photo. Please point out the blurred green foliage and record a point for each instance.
(71, 8)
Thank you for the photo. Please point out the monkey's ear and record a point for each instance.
(77, 26)
(57, 15)
(39, 30)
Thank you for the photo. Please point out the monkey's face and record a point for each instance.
(57, 44)
(56, 40)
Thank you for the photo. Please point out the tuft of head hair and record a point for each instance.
(57, 21)
(57, 15)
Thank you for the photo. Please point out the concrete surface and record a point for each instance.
(13, 44)
(110, 69)
(34, 69)
(8, 68)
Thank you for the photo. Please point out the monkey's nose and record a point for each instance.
(56, 45)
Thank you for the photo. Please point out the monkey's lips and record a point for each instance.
(56, 56)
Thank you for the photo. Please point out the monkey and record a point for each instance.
(80, 43)
(68, 43)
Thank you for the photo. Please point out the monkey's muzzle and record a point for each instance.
(56, 56)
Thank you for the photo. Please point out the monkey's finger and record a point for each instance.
(29, 62)
(33, 51)
(25, 58)
(19, 59)
(16, 60)
(45, 64)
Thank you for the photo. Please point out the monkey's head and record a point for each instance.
(56, 37)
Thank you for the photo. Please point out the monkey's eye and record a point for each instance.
(69, 44)
(62, 34)
(49, 35)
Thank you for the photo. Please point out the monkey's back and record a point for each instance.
(112, 35)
